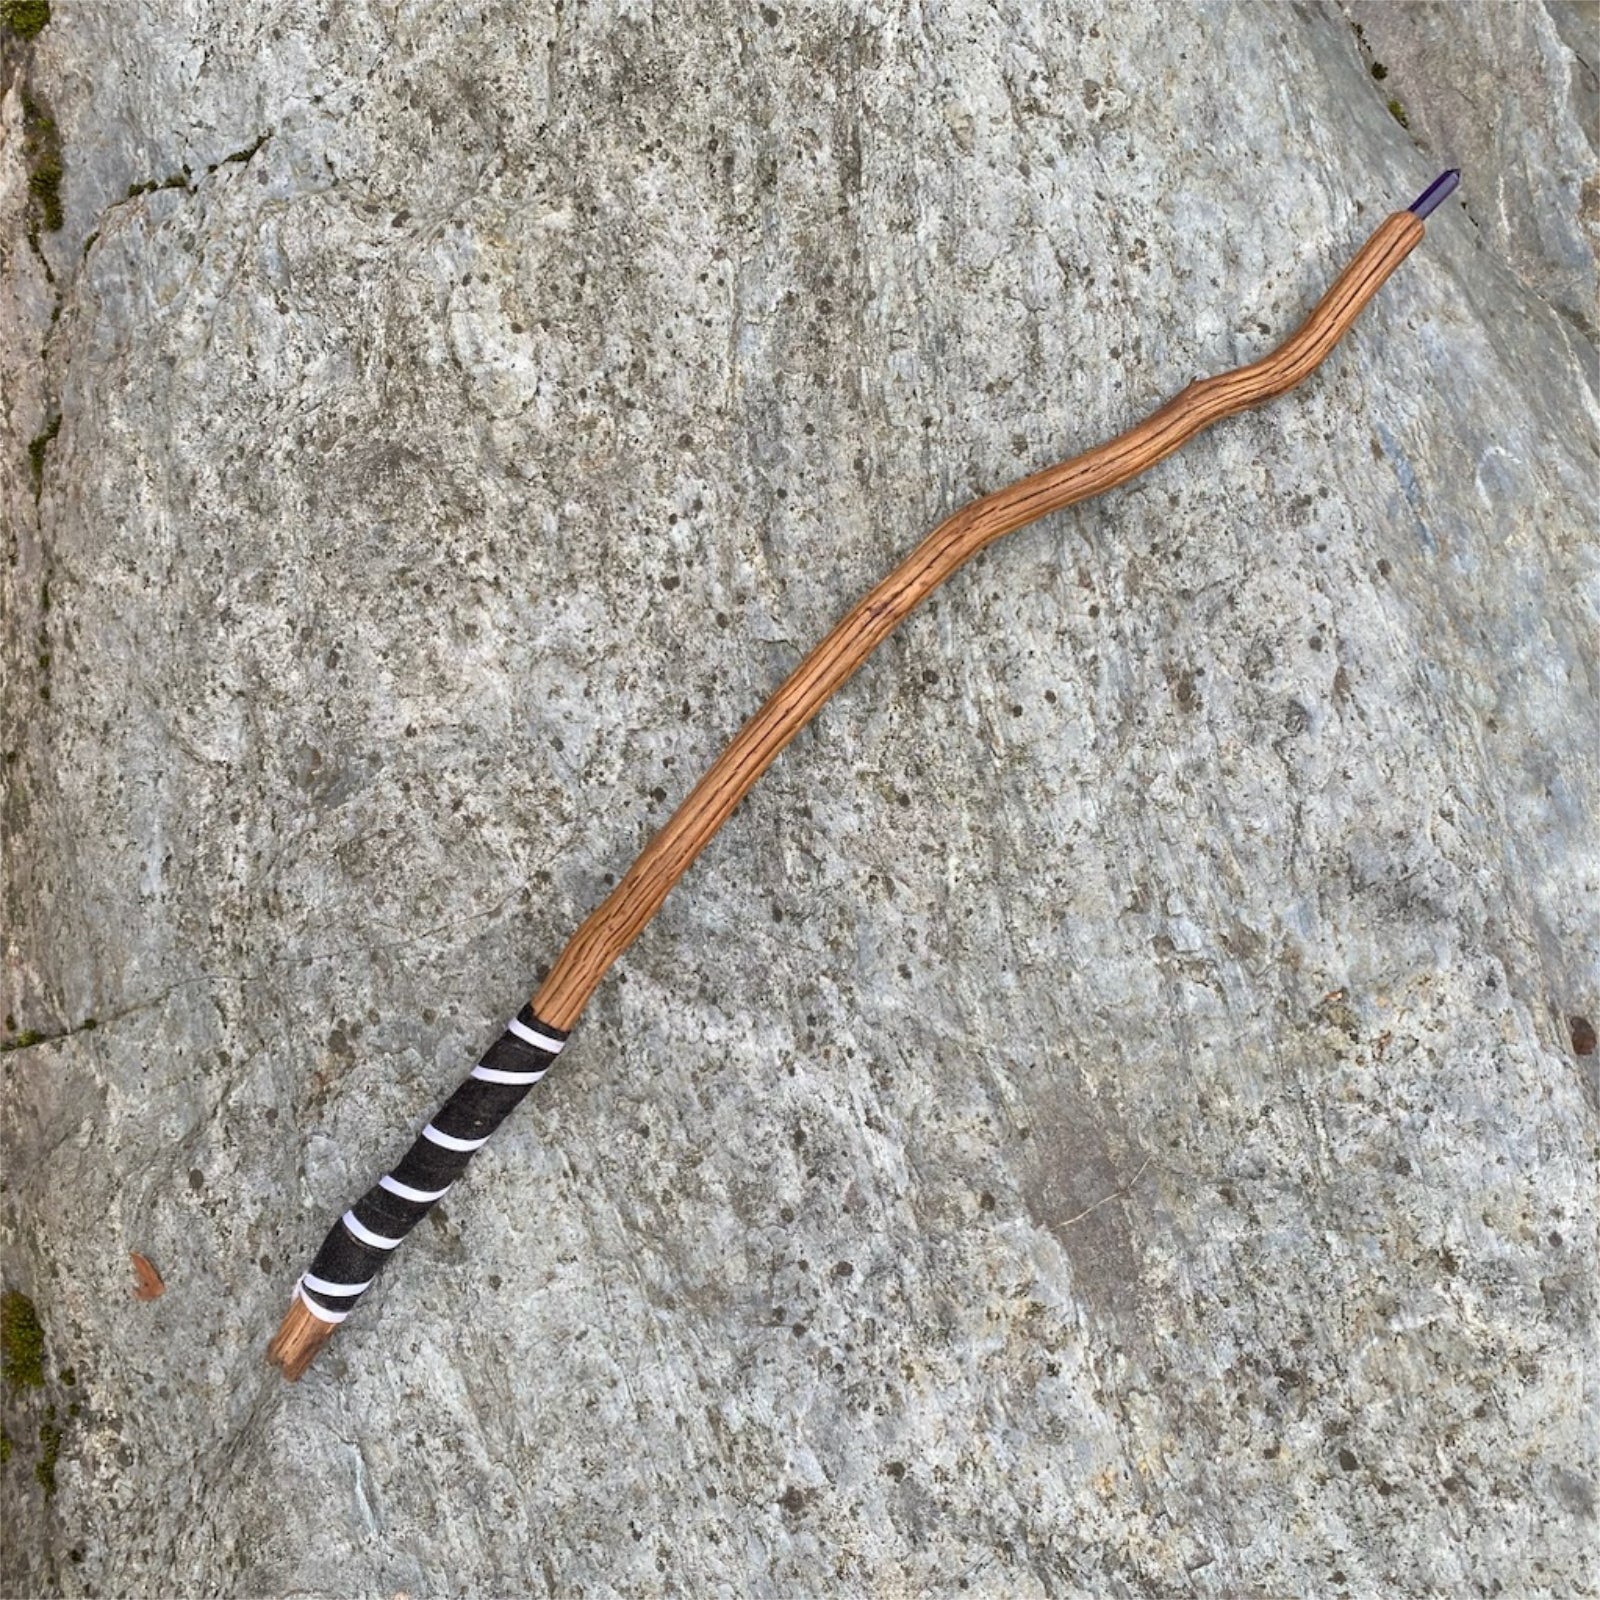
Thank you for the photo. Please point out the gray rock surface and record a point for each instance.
(1515, 99)
(1106, 1118)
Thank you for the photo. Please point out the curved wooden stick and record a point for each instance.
(622, 916)
(358, 1245)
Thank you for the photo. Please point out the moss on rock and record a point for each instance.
(41, 148)
(50, 1452)
(25, 18)
(21, 1342)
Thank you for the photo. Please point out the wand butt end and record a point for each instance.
(299, 1337)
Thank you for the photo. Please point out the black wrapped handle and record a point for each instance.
(367, 1234)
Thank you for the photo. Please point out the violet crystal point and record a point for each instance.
(1435, 194)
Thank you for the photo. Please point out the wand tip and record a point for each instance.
(1435, 194)
(297, 1340)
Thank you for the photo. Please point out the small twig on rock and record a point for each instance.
(1106, 1199)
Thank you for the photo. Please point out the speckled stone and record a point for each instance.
(1112, 1114)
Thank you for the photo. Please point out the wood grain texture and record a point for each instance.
(622, 916)
(298, 1339)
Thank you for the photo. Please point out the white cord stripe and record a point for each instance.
(495, 1075)
(540, 1041)
(322, 1286)
(321, 1313)
(406, 1192)
(449, 1142)
(366, 1235)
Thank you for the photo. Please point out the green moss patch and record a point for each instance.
(26, 18)
(50, 1452)
(21, 1342)
(244, 154)
(36, 449)
(173, 180)
(41, 149)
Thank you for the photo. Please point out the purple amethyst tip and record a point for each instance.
(1435, 194)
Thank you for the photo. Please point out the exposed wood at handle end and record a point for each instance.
(298, 1339)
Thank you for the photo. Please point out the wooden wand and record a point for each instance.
(364, 1238)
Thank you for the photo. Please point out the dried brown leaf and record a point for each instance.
(149, 1286)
